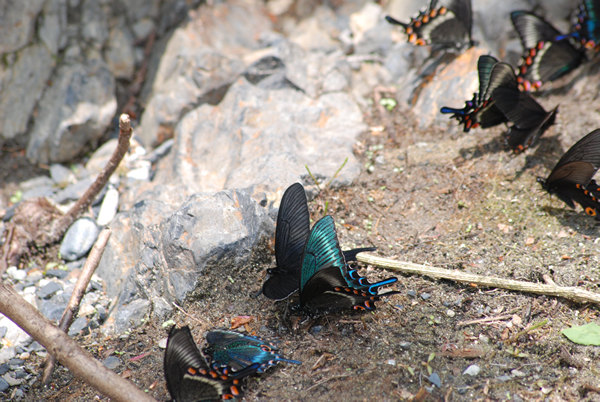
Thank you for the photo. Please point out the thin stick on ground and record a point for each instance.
(566, 292)
(60, 226)
(73, 306)
(66, 350)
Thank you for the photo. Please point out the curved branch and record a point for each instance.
(66, 350)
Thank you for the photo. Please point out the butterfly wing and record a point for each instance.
(485, 64)
(237, 351)
(529, 118)
(579, 163)
(182, 363)
(445, 26)
(546, 58)
(571, 178)
(293, 227)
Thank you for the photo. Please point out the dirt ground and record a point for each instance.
(449, 199)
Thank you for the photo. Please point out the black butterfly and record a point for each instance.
(444, 26)
(232, 350)
(293, 227)
(529, 118)
(546, 58)
(481, 111)
(571, 178)
(326, 282)
(188, 376)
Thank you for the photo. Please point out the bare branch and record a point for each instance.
(73, 306)
(60, 226)
(66, 350)
(571, 293)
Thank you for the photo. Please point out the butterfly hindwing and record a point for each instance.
(327, 284)
(230, 349)
(187, 374)
(529, 118)
(444, 26)
(545, 58)
(571, 178)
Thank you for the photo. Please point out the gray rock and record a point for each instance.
(49, 290)
(18, 23)
(3, 385)
(23, 83)
(199, 63)
(73, 191)
(132, 314)
(57, 273)
(112, 362)
(74, 111)
(108, 208)
(53, 25)
(79, 239)
(473, 370)
(434, 378)
(119, 52)
(4, 368)
(162, 254)
(77, 326)
(94, 24)
(61, 175)
(267, 137)
(51, 310)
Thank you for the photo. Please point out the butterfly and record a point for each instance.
(481, 111)
(327, 284)
(232, 350)
(546, 58)
(529, 118)
(188, 376)
(446, 26)
(586, 29)
(571, 178)
(291, 232)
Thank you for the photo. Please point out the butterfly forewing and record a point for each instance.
(291, 232)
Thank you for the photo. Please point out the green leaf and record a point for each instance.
(588, 334)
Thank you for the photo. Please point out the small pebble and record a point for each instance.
(162, 343)
(518, 373)
(434, 378)
(49, 290)
(504, 378)
(57, 273)
(109, 206)
(450, 313)
(405, 345)
(391, 362)
(472, 370)
(79, 239)
(20, 374)
(15, 273)
(112, 362)
(412, 293)
(15, 362)
(4, 367)
(425, 296)
(3, 385)
(24, 355)
(77, 326)
(316, 329)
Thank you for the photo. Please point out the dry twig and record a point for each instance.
(570, 292)
(60, 226)
(66, 350)
(82, 282)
